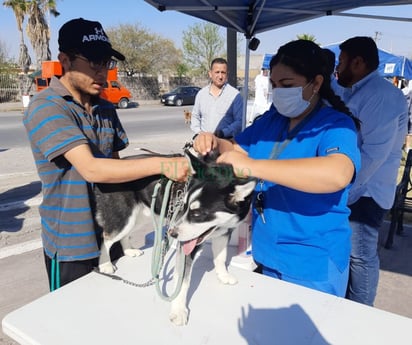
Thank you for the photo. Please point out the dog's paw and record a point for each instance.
(107, 268)
(226, 278)
(133, 252)
(179, 316)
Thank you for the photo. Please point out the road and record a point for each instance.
(23, 276)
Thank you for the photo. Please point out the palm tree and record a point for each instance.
(307, 37)
(38, 29)
(19, 8)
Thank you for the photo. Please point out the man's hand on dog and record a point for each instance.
(176, 168)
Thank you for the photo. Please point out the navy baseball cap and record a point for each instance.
(88, 39)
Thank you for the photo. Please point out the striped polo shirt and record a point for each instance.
(56, 123)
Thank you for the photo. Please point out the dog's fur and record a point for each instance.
(187, 116)
(215, 203)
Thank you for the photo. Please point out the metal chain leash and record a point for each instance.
(175, 205)
(128, 282)
(150, 282)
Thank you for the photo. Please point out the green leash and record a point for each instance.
(161, 242)
(55, 274)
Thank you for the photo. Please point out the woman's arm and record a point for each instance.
(326, 174)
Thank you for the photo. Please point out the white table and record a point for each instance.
(258, 310)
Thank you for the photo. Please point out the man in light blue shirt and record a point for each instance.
(218, 106)
(407, 91)
(382, 110)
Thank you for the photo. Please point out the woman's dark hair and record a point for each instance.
(306, 58)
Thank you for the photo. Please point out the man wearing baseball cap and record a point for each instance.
(88, 39)
(76, 137)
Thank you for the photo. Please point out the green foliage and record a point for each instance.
(201, 44)
(146, 53)
(6, 64)
(3, 52)
(307, 37)
(182, 70)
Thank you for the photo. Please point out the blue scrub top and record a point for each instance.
(302, 230)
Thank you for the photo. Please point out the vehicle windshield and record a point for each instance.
(178, 90)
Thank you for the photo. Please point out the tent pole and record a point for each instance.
(246, 84)
(231, 44)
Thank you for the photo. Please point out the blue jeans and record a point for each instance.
(364, 263)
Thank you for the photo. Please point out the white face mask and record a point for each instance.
(289, 100)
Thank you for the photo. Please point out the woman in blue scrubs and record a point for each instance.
(303, 152)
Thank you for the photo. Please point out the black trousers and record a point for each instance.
(71, 270)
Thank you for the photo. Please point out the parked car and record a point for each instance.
(182, 95)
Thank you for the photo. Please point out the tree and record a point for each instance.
(20, 8)
(146, 53)
(37, 28)
(307, 37)
(181, 70)
(201, 44)
(3, 53)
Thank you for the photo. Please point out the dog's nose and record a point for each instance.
(172, 232)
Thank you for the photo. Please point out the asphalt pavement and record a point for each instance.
(23, 277)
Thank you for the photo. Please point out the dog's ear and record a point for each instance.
(200, 163)
(211, 156)
(196, 164)
(243, 190)
(207, 169)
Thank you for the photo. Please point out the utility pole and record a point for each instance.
(378, 34)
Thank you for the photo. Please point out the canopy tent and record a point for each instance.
(251, 17)
(390, 65)
(266, 61)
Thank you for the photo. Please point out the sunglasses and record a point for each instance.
(99, 65)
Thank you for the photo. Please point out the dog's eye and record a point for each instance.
(195, 213)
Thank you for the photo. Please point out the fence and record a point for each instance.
(13, 86)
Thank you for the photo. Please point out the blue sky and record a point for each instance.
(394, 36)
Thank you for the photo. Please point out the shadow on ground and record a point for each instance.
(12, 204)
(397, 259)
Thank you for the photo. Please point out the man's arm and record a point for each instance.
(378, 137)
(231, 124)
(109, 170)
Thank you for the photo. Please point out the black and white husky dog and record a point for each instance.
(215, 203)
